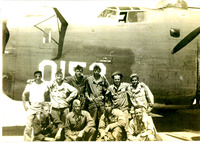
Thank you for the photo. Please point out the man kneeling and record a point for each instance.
(112, 124)
(141, 126)
(44, 128)
(79, 124)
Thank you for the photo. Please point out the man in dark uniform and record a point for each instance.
(44, 128)
(79, 124)
(96, 88)
(78, 81)
(112, 124)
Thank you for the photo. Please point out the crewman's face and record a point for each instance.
(59, 77)
(38, 77)
(108, 108)
(138, 113)
(96, 72)
(46, 110)
(78, 73)
(77, 109)
(134, 81)
(117, 80)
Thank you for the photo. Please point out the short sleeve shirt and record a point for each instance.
(59, 94)
(36, 91)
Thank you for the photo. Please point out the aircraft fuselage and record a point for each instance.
(142, 47)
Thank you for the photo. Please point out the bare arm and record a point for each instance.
(24, 100)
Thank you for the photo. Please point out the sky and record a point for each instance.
(75, 10)
(86, 5)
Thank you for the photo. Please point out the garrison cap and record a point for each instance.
(134, 75)
(78, 67)
(76, 102)
(117, 73)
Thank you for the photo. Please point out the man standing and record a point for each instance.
(79, 82)
(79, 124)
(141, 126)
(140, 94)
(116, 92)
(112, 124)
(96, 88)
(61, 94)
(36, 90)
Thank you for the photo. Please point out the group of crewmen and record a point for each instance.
(88, 108)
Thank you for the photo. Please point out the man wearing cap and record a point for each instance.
(61, 95)
(141, 126)
(36, 90)
(96, 88)
(112, 124)
(140, 94)
(79, 125)
(79, 82)
(116, 92)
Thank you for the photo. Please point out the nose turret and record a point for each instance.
(172, 4)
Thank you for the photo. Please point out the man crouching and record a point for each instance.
(112, 124)
(79, 124)
(141, 127)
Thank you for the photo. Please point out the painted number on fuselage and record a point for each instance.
(72, 64)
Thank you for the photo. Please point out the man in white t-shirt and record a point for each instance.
(36, 90)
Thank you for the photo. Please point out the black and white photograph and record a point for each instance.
(100, 70)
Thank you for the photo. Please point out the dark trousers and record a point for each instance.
(59, 115)
(96, 111)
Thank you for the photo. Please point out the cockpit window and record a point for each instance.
(136, 16)
(108, 13)
(124, 8)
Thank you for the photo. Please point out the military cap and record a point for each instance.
(117, 73)
(134, 75)
(76, 102)
(78, 67)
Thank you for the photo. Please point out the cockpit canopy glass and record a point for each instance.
(136, 16)
(172, 4)
(108, 13)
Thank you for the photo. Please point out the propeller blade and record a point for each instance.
(186, 40)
